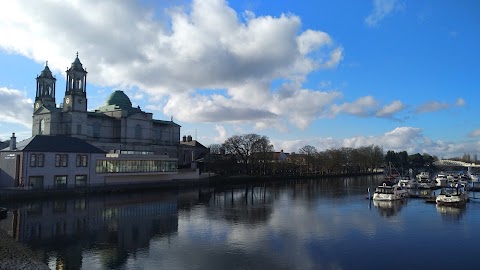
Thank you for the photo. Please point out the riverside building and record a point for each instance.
(113, 144)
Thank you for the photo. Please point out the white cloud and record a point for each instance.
(432, 107)
(364, 106)
(17, 108)
(390, 109)
(222, 134)
(475, 133)
(381, 9)
(408, 139)
(170, 56)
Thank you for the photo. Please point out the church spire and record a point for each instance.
(75, 89)
(45, 92)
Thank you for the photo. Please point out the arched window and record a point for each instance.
(138, 131)
(41, 127)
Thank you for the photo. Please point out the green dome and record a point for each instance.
(119, 99)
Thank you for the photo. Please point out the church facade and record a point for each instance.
(115, 127)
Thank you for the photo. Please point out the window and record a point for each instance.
(79, 129)
(82, 161)
(36, 182)
(80, 180)
(138, 131)
(96, 130)
(41, 127)
(60, 181)
(37, 160)
(61, 160)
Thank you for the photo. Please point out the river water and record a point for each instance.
(302, 224)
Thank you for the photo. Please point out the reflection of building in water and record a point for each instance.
(115, 228)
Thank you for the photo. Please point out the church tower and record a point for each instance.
(45, 94)
(75, 92)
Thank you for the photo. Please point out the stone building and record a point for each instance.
(116, 127)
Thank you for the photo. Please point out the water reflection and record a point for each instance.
(297, 224)
(451, 212)
(112, 227)
(389, 208)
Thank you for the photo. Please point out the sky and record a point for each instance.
(403, 75)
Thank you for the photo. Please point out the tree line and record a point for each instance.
(253, 154)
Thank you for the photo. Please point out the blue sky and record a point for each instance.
(400, 74)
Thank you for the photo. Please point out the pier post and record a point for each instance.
(368, 193)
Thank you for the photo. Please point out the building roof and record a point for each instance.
(47, 73)
(50, 143)
(120, 99)
(77, 65)
(193, 143)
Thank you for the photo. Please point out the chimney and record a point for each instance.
(184, 138)
(13, 142)
(189, 138)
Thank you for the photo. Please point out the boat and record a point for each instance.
(389, 191)
(423, 176)
(453, 196)
(426, 184)
(474, 177)
(407, 182)
(392, 174)
(441, 180)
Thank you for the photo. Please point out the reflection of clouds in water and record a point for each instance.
(286, 237)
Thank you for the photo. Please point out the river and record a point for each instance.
(296, 224)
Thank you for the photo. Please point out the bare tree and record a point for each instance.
(244, 146)
(310, 152)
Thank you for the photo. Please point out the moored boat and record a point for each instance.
(407, 182)
(423, 176)
(389, 191)
(452, 196)
(441, 180)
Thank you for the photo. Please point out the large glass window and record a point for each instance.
(60, 181)
(61, 160)
(82, 160)
(80, 180)
(135, 166)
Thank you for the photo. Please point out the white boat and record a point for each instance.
(452, 196)
(423, 176)
(407, 182)
(426, 184)
(389, 192)
(474, 177)
(441, 180)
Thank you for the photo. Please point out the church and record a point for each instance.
(115, 127)
(116, 143)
